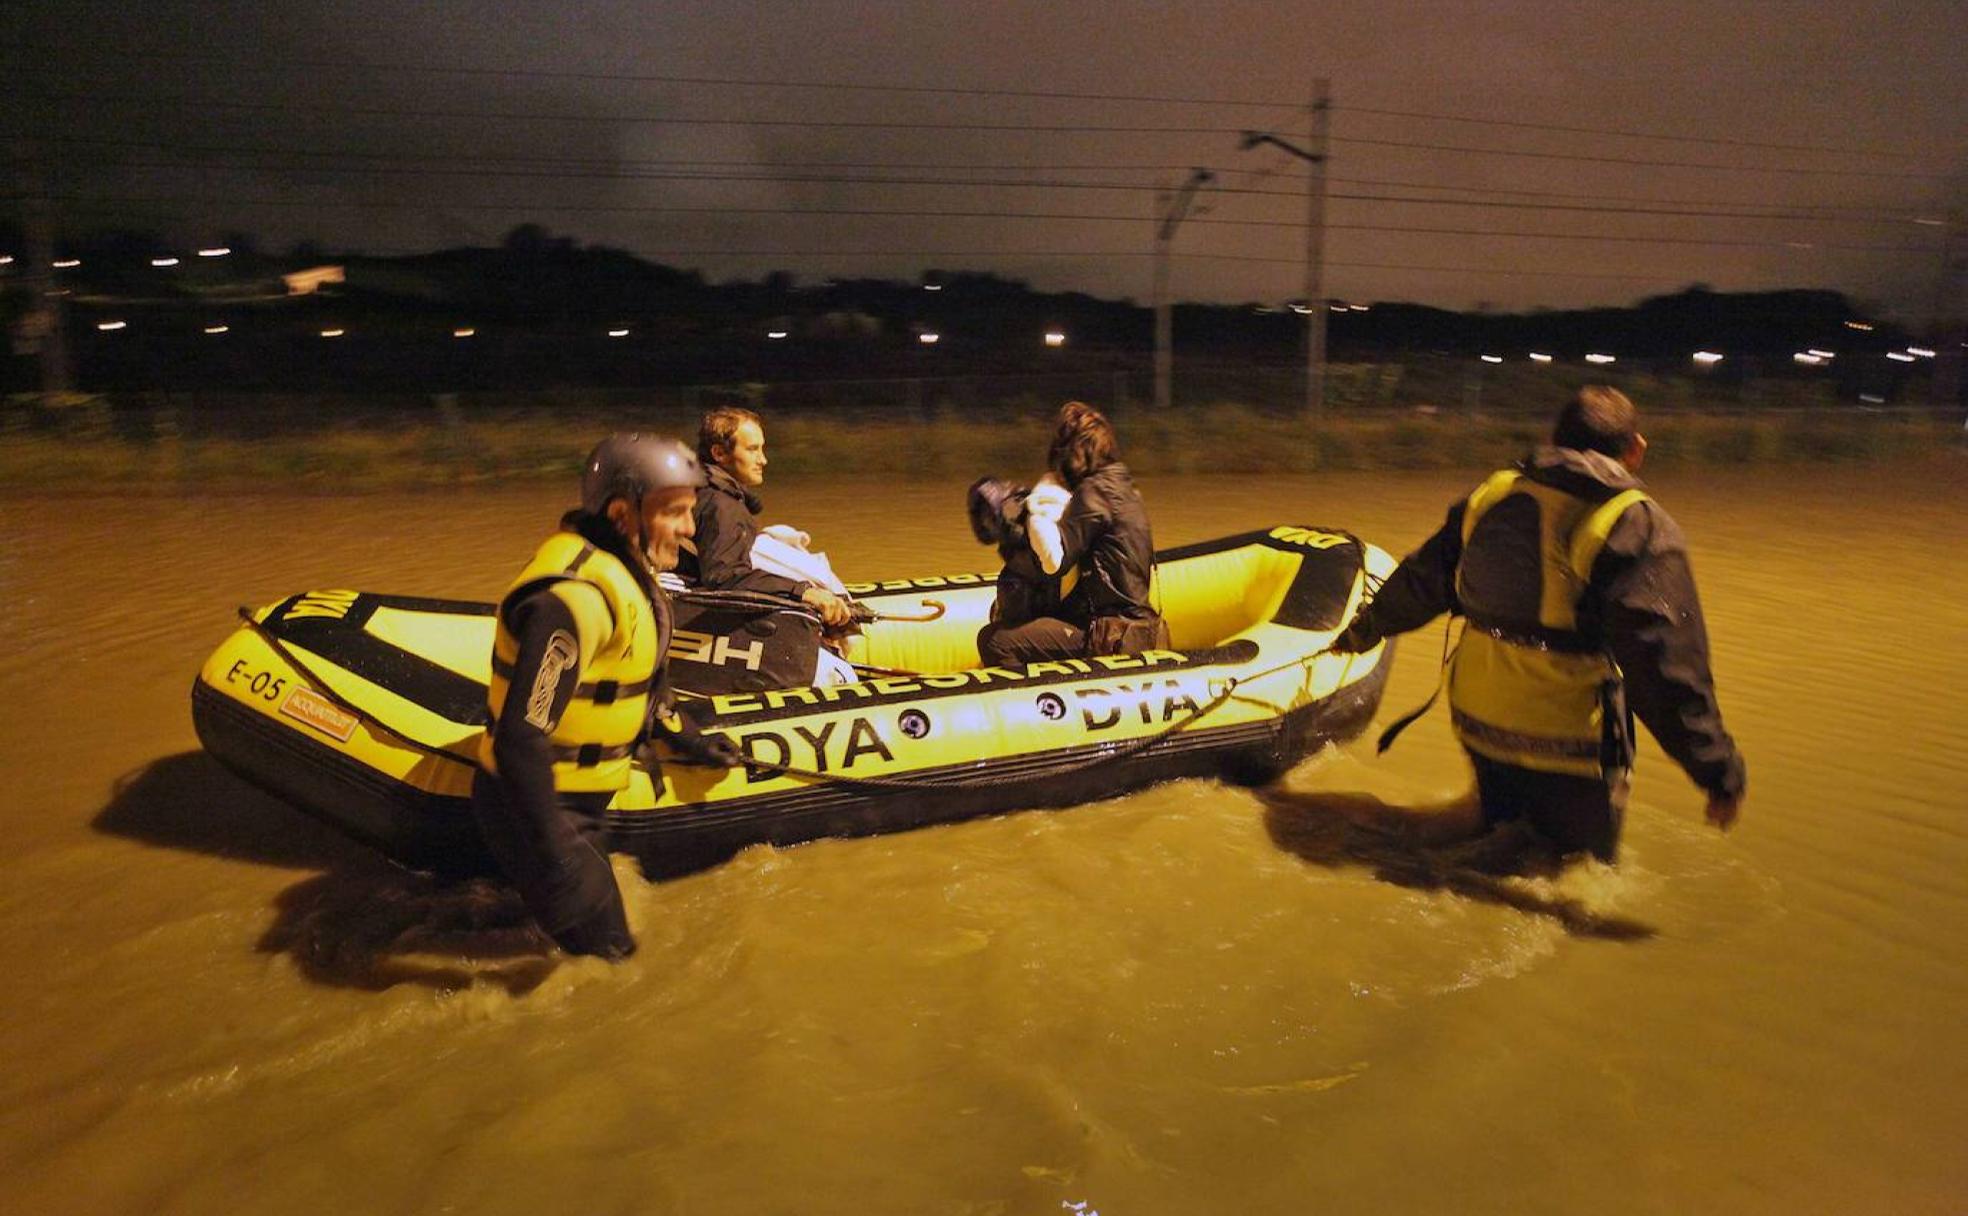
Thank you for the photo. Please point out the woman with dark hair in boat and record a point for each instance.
(1102, 548)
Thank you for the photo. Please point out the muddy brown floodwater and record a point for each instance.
(1195, 999)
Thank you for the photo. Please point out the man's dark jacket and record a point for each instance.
(1640, 600)
(726, 528)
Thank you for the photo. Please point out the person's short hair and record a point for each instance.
(720, 426)
(1082, 442)
(1598, 419)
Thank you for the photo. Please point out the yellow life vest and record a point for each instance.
(1532, 693)
(619, 648)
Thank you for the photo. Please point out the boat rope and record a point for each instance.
(1124, 752)
(325, 689)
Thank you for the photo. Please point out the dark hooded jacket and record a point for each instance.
(1105, 533)
(1640, 601)
(726, 528)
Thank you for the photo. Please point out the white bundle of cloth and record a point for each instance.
(783, 550)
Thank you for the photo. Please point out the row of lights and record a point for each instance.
(1538, 356)
(161, 262)
(1053, 338)
(1814, 357)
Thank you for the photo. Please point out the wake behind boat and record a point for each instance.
(365, 710)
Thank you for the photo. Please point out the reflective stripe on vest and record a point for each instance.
(1530, 693)
(597, 732)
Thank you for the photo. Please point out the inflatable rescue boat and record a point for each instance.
(364, 709)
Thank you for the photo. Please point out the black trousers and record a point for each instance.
(559, 866)
(1577, 814)
(1033, 641)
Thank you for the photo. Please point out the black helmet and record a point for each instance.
(631, 464)
(994, 505)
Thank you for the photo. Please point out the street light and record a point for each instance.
(1174, 209)
(1315, 234)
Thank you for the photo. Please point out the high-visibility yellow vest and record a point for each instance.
(1531, 693)
(618, 649)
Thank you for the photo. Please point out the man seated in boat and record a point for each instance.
(1100, 545)
(732, 553)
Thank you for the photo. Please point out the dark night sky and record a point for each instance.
(341, 136)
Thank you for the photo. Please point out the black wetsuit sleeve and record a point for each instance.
(543, 682)
(724, 549)
(1421, 588)
(1655, 628)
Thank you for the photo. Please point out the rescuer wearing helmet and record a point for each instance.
(1580, 603)
(577, 685)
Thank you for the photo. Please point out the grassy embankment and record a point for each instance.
(89, 444)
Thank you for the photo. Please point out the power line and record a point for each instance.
(1026, 183)
(1656, 164)
(904, 213)
(219, 103)
(1626, 133)
(958, 91)
(1088, 254)
(897, 125)
(941, 166)
(698, 81)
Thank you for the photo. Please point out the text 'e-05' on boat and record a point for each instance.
(365, 710)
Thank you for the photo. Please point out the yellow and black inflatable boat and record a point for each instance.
(364, 709)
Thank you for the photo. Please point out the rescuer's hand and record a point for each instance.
(1356, 638)
(712, 751)
(1722, 810)
(834, 611)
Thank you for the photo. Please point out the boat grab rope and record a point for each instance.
(1124, 752)
(325, 689)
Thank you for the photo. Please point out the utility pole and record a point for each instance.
(1314, 157)
(41, 328)
(1948, 331)
(1171, 208)
(44, 326)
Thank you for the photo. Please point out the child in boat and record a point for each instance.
(1001, 514)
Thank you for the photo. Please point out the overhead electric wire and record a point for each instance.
(1654, 164)
(899, 125)
(1092, 254)
(941, 166)
(693, 80)
(1028, 184)
(705, 81)
(630, 119)
(1627, 133)
(903, 213)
